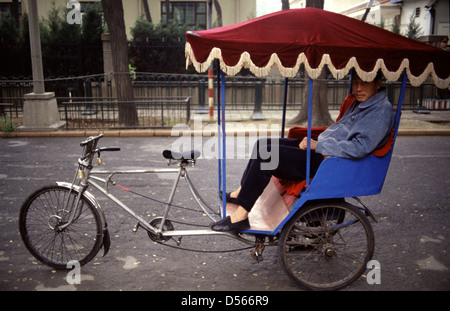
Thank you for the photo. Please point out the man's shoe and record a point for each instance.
(228, 198)
(225, 225)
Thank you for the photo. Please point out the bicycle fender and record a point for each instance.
(106, 237)
(106, 241)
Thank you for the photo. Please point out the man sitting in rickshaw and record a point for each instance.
(364, 127)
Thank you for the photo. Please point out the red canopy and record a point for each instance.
(316, 38)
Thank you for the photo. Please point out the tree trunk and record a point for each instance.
(15, 11)
(219, 13)
(320, 113)
(318, 4)
(285, 5)
(113, 12)
(148, 17)
(168, 15)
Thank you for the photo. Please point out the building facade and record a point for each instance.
(431, 15)
(193, 13)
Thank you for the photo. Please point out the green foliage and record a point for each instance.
(143, 31)
(91, 37)
(55, 28)
(72, 49)
(92, 26)
(158, 48)
(67, 49)
(14, 46)
(414, 31)
(9, 32)
(7, 125)
(396, 26)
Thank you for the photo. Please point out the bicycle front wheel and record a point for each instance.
(40, 224)
(326, 246)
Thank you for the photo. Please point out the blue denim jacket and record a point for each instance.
(363, 128)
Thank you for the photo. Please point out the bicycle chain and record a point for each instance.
(258, 250)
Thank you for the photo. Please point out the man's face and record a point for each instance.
(364, 90)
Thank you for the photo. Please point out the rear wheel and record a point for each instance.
(40, 221)
(326, 246)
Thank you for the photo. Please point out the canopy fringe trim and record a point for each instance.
(290, 72)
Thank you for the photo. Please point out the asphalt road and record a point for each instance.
(412, 235)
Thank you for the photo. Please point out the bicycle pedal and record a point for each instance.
(178, 241)
(256, 256)
(136, 227)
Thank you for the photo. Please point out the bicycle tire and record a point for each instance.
(41, 214)
(326, 246)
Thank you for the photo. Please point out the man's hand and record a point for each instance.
(304, 144)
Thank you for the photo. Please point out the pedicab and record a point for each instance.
(324, 242)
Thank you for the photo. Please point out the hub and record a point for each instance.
(329, 252)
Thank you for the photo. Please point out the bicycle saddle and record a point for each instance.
(186, 155)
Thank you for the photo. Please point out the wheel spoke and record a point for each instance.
(326, 246)
(42, 216)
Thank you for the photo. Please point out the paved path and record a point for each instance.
(412, 236)
(240, 121)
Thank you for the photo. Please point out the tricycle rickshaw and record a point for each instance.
(324, 242)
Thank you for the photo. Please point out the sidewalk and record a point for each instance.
(240, 122)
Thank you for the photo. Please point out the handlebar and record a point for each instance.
(90, 148)
(109, 149)
(91, 139)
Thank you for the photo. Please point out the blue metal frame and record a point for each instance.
(283, 119)
(308, 133)
(224, 150)
(221, 156)
(336, 177)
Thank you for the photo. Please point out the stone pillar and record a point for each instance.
(108, 68)
(40, 109)
(40, 112)
(107, 54)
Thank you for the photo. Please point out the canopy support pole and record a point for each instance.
(308, 149)
(219, 148)
(283, 119)
(221, 137)
(399, 104)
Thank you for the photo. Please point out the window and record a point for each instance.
(417, 12)
(8, 7)
(191, 14)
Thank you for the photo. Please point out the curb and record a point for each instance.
(171, 133)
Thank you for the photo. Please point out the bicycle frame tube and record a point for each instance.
(93, 179)
(105, 191)
(198, 198)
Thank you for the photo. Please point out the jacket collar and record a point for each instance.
(374, 99)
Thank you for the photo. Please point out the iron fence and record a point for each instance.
(98, 113)
(161, 98)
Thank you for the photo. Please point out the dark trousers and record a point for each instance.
(280, 157)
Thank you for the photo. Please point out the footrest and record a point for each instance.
(187, 155)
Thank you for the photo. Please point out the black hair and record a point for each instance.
(379, 75)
